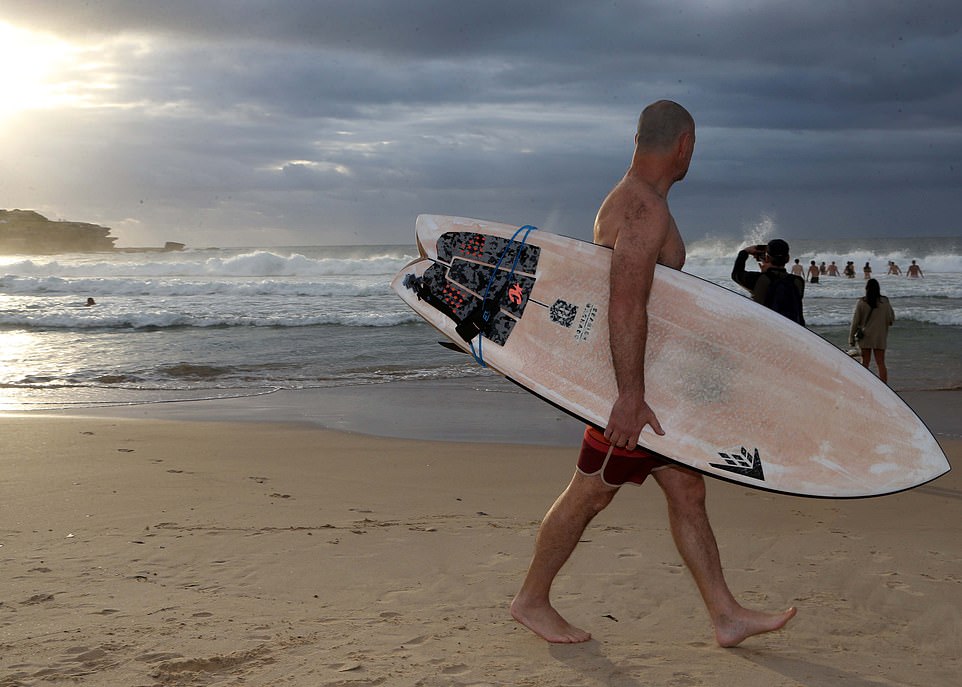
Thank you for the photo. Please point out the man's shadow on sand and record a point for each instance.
(589, 658)
(804, 671)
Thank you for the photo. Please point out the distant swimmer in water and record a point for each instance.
(813, 272)
(867, 271)
(894, 269)
(91, 301)
(915, 271)
(833, 269)
(798, 270)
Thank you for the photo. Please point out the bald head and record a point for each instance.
(661, 124)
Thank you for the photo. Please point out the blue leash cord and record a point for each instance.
(527, 229)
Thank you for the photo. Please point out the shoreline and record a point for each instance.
(486, 410)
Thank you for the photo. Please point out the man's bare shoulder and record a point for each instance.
(630, 208)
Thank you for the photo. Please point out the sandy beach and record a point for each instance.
(142, 548)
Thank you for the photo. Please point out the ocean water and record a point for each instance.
(217, 323)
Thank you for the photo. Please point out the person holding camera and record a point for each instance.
(773, 286)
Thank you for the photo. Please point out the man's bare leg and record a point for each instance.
(685, 493)
(558, 535)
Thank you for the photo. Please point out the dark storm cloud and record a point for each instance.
(320, 116)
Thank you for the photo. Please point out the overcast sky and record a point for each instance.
(287, 122)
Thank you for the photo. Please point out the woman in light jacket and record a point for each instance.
(873, 315)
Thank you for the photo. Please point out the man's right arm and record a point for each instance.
(634, 256)
(740, 275)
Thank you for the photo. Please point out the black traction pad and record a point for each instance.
(465, 273)
(487, 249)
(459, 304)
(513, 289)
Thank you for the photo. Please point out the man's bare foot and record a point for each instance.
(734, 629)
(547, 623)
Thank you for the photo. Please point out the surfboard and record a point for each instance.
(743, 393)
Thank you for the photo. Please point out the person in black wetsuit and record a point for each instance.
(768, 286)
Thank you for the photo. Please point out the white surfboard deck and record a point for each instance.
(742, 393)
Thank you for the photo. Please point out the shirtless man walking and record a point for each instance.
(635, 222)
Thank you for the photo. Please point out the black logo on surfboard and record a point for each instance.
(745, 463)
(562, 312)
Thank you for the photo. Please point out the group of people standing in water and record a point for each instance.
(813, 272)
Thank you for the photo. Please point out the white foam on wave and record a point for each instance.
(170, 286)
(163, 318)
(258, 263)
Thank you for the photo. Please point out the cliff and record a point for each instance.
(26, 231)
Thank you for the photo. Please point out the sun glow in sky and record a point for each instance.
(29, 67)
(39, 71)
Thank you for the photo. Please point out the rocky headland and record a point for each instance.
(26, 231)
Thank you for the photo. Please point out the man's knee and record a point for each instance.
(684, 489)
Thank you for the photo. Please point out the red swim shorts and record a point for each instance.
(619, 468)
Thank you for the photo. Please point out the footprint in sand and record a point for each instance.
(37, 599)
(345, 667)
(200, 669)
(157, 657)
